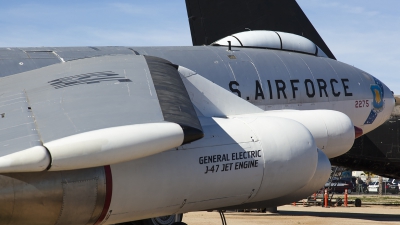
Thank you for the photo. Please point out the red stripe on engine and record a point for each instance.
(107, 170)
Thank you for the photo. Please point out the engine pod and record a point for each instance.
(321, 175)
(256, 158)
(319, 179)
(113, 145)
(290, 154)
(333, 131)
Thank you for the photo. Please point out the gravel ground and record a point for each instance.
(299, 214)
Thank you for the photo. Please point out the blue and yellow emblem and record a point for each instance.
(377, 101)
(378, 97)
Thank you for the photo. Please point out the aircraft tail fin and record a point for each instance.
(211, 20)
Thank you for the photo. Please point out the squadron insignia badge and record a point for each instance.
(377, 101)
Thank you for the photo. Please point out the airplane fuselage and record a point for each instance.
(276, 80)
(63, 92)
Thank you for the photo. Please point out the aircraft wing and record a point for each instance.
(99, 96)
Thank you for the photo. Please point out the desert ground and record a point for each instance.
(299, 214)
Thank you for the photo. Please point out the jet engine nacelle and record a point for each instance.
(239, 160)
(333, 131)
(319, 179)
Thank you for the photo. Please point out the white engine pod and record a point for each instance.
(318, 181)
(237, 161)
(33, 159)
(113, 145)
(333, 131)
(290, 155)
(320, 177)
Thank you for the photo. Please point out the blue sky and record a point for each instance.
(362, 33)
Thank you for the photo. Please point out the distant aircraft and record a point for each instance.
(108, 135)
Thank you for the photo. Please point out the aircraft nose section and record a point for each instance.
(383, 101)
(389, 102)
(381, 105)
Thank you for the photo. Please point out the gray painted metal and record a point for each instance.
(79, 96)
(47, 198)
(62, 108)
(12, 53)
(17, 124)
(18, 60)
(88, 52)
(270, 65)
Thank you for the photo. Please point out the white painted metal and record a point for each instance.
(224, 41)
(318, 181)
(113, 145)
(257, 38)
(286, 162)
(272, 39)
(357, 116)
(33, 159)
(333, 131)
(321, 175)
(263, 38)
(203, 92)
(294, 143)
(297, 43)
